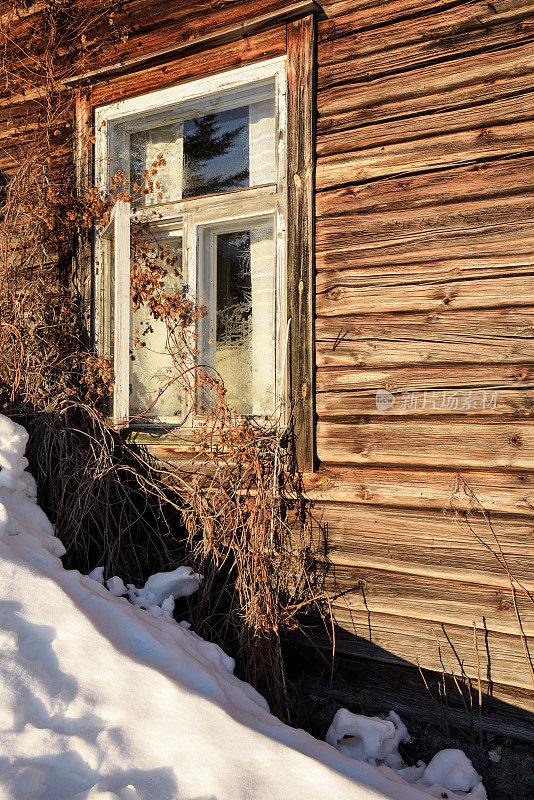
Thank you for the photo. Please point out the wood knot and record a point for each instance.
(485, 134)
(505, 605)
(446, 296)
(515, 439)
(334, 294)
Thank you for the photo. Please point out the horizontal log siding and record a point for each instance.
(425, 289)
(425, 281)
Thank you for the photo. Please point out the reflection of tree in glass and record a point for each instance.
(216, 156)
(234, 288)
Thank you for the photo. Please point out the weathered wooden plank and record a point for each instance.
(459, 215)
(484, 225)
(10, 14)
(361, 14)
(383, 353)
(500, 292)
(419, 379)
(146, 28)
(434, 152)
(390, 275)
(367, 686)
(438, 600)
(451, 21)
(257, 47)
(501, 111)
(448, 326)
(135, 26)
(436, 444)
(201, 42)
(60, 159)
(421, 246)
(434, 645)
(456, 404)
(356, 342)
(455, 32)
(464, 184)
(497, 492)
(440, 87)
(430, 543)
(139, 28)
(301, 49)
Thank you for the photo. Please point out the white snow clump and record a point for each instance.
(180, 583)
(376, 741)
(159, 592)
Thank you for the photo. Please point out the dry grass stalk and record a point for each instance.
(248, 527)
(499, 555)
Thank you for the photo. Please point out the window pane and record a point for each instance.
(154, 391)
(209, 154)
(216, 153)
(145, 147)
(244, 351)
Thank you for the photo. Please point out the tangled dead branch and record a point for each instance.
(240, 514)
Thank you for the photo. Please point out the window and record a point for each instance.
(218, 214)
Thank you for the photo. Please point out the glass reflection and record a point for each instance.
(244, 350)
(209, 154)
(154, 394)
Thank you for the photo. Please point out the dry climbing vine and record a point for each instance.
(238, 510)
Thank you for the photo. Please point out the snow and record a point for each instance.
(453, 769)
(104, 697)
(180, 583)
(115, 585)
(377, 740)
(97, 574)
(369, 738)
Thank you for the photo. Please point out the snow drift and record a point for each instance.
(101, 699)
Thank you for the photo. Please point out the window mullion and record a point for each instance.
(121, 333)
(281, 321)
(190, 256)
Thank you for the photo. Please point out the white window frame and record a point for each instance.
(197, 215)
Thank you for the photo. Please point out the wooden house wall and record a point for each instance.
(425, 282)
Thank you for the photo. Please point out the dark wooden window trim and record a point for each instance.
(83, 267)
(301, 66)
